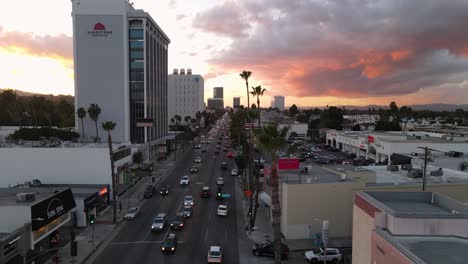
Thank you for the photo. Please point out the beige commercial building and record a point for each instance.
(327, 193)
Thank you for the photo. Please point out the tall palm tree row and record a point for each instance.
(256, 91)
(81, 113)
(272, 139)
(94, 111)
(246, 75)
(109, 126)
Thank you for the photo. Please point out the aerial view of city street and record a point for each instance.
(236, 132)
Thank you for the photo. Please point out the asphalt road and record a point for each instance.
(135, 243)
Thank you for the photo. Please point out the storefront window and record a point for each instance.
(38, 234)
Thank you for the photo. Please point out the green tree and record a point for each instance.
(246, 75)
(94, 111)
(81, 114)
(293, 111)
(271, 139)
(109, 126)
(258, 91)
(187, 119)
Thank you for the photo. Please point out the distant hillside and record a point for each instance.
(431, 107)
(68, 98)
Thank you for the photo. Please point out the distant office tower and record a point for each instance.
(215, 103)
(236, 102)
(185, 93)
(120, 59)
(218, 92)
(278, 102)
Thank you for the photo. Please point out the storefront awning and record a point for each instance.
(265, 198)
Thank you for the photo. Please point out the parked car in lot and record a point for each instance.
(220, 181)
(159, 222)
(215, 254)
(185, 180)
(222, 210)
(188, 200)
(233, 172)
(266, 248)
(318, 255)
(205, 192)
(164, 190)
(132, 213)
(169, 245)
(230, 155)
(177, 222)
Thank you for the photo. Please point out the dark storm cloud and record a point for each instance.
(347, 48)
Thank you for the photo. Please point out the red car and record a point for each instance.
(230, 155)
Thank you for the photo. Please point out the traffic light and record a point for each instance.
(92, 218)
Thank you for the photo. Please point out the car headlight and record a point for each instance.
(181, 224)
(162, 248)
(172, 248)
(160, 227)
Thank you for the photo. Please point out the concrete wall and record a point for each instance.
(54, 165)
(302, 203)
(363, 226)
(382, 252)
(424, 226)
(13, 217)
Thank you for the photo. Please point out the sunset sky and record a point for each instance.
(314, 52)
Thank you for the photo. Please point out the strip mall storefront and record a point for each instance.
(47, 216)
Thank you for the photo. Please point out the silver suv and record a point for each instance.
(159, 222)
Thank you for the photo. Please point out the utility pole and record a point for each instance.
(424, 170)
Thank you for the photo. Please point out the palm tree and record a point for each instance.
(187, 119)
(198, 116)
(109, 126)
(178, 118)
(81, 113)
(258, 91)
(94, 111)
(271, 140)
(246, 75)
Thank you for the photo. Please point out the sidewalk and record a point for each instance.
(103, 227)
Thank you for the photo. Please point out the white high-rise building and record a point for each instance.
(278, 102)
(120, 60)
(185, 93)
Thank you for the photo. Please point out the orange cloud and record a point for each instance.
(56, 47)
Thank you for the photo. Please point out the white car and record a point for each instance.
(159, 222)
(220, 181)
(318, 255)
(215, 254)
(188, 200)
(197, 160)
(132, 213)
(233, 172)
(222, 210)
(185, 180)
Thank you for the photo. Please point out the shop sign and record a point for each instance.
(288, 164)
(46, 211)
(370, 139)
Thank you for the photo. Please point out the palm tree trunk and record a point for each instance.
(97, 134)
(248, 99)
(276, 211)
(82, 128)
(114, 182)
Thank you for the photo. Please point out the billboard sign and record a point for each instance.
(288, 164)
(52, 208)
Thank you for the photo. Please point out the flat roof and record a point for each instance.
(430, 249)
(65, 144)
(323, 176)
(416, 204)
(383, 176)
(8, 195)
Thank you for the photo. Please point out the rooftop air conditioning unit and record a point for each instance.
(25, 197)
(438, 172)
(415, 173)
(392, 168)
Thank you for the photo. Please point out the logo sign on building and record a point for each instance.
(288, 164)
(370, 139)
(99, 30)
(145, 122)
(46, 211)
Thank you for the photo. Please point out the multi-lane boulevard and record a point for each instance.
(135, 243)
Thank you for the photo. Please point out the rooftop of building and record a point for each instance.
(314, 175)
(44, 191)
(416, 204)
(430, 249)
(62, 144)
(403, 136)
(139, 13)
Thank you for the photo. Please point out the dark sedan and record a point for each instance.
(177, 222)
(169, 245)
